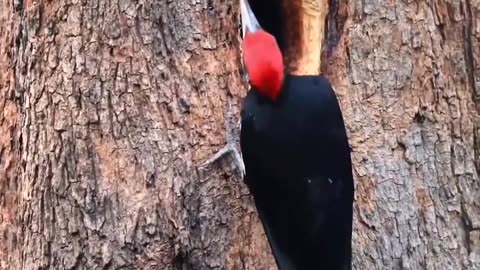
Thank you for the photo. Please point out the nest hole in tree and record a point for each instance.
(299, 28)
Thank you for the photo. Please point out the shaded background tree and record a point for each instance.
(109, 108)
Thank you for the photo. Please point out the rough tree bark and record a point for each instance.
(108, 108)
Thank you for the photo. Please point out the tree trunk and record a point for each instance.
(408, 75)
(109, 108)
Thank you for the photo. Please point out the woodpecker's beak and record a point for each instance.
(249, 21)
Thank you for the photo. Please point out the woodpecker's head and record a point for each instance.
(261, 55)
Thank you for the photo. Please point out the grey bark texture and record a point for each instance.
(109, 107)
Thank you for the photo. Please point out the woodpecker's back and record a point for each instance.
(298, 169)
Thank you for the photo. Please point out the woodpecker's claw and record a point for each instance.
(229, 148)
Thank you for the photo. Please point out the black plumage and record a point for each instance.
(298, 169)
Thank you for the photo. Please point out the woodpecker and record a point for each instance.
(297, 159)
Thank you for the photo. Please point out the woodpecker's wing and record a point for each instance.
(298, 169)
(283, 260)
(253, 174)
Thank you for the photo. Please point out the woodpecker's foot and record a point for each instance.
(230, 147)
(227, 149)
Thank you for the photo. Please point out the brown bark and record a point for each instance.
(408, 75)
(109, 107)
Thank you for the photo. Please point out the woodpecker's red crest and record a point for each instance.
(261, 55)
